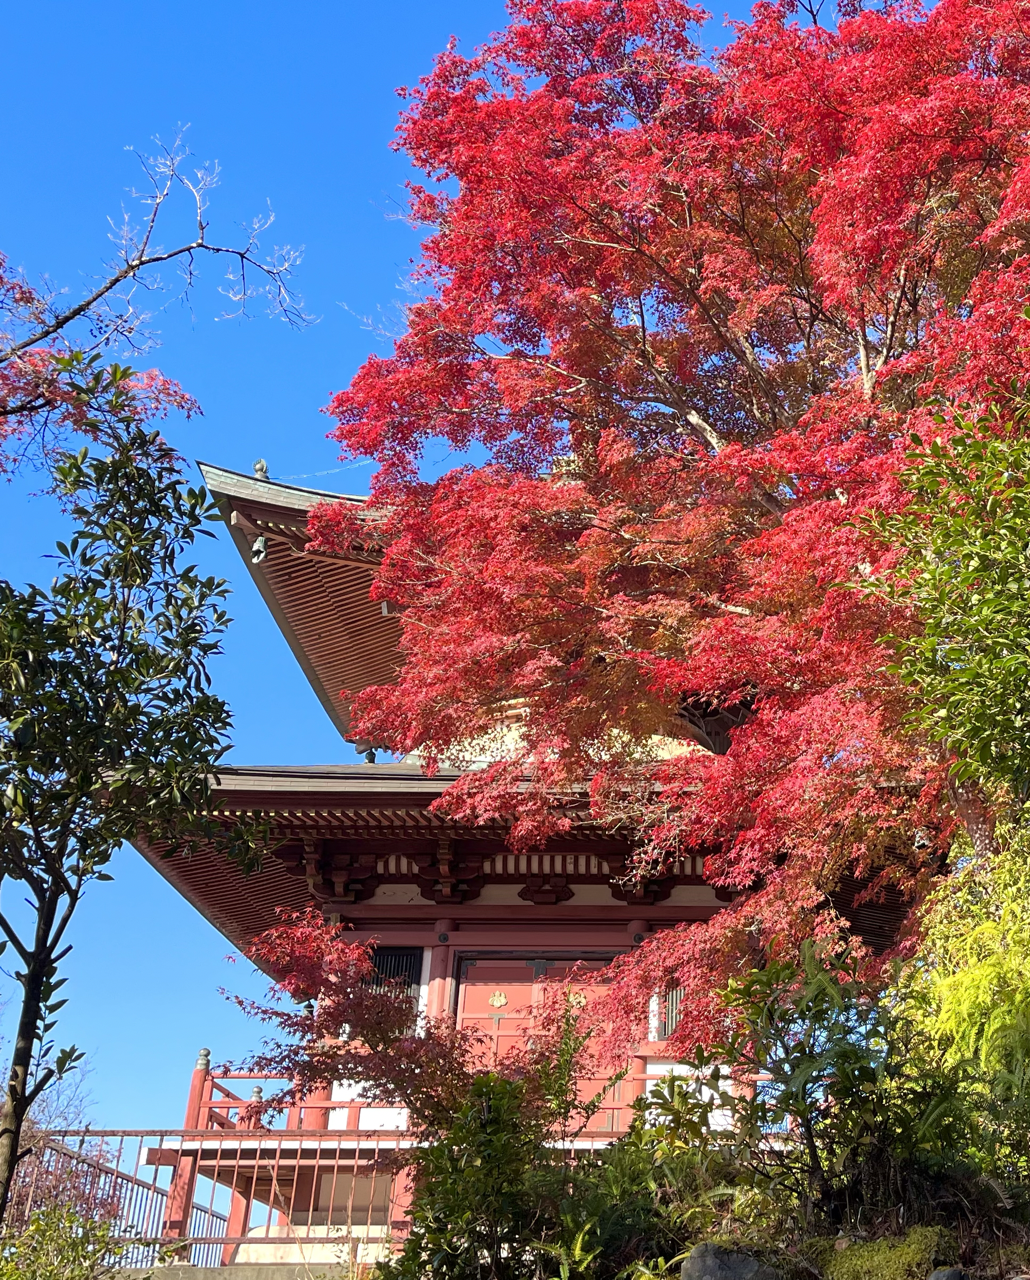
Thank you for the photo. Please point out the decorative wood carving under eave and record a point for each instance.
(546, 889)
(449, 877)
(449, 872)
(644, 893)
(332, 873)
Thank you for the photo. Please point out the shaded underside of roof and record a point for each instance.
(294, 800)
(340, 637)
(877, 920)
(337, 833)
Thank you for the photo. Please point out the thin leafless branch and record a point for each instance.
(112, 307)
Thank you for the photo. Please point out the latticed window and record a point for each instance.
(668, 1023)
(399, 963)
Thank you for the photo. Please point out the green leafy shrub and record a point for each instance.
(499, 1191)
(58, 1244)
(970, 979)
(965, 573)
(825, 1104)
(479, 1205)
(496, 1199)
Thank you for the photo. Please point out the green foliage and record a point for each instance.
(477, 1210)
(970, 981)
(966, 572)
(60, 1245)
(827, 1108)
(106, 715)
(830, 1108)
(968, 993)
(498, 1198)
(499, 1193)
(108, 725)
(851, 1112)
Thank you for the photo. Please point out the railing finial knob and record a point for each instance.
(258, 1094)
(204, 1060)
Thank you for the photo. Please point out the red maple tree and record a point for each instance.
(348, 1023)
(692, 308)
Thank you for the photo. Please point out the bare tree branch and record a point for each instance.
(112, 309)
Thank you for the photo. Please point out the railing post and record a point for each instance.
(248, 1117)
(199, 1086)
(295, 1113)
(179, 1205)
(401, 1190)
(239, 1211)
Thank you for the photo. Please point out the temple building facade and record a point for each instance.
(452, 905)
(471, 926)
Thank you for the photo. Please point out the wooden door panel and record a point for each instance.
(498, 998)
(495, 999)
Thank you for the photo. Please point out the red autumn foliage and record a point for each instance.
(48, 388)
(693, 310)
(354, 1026)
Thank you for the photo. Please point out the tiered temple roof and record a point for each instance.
(361, 841)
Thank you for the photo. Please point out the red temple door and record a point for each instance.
(499, 997)
(496, 998)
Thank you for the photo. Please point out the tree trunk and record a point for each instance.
(976, 816)
(818, 1192)
(16, 1099)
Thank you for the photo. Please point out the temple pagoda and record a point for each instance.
(450, 906)
(471, 926)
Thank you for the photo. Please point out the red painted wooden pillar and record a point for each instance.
(316, 1117)
(179, 1203)
(438, 999)
(239, 1209)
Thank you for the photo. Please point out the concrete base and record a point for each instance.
(241, 1271)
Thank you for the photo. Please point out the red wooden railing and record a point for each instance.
(314, 1186)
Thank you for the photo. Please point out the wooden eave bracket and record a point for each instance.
(297, 540)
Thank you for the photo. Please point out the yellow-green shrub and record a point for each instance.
(911, 1258)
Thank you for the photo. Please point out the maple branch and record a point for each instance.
(892, 323)
(736, 345)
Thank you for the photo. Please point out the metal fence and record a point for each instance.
(212, 1198)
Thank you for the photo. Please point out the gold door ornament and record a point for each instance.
(498, 1000)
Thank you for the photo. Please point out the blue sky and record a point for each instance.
(297, 104)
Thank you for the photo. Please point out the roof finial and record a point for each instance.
(261, 469)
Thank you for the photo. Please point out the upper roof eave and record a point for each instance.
(340, 637)
(235, 484)
(368, 779)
